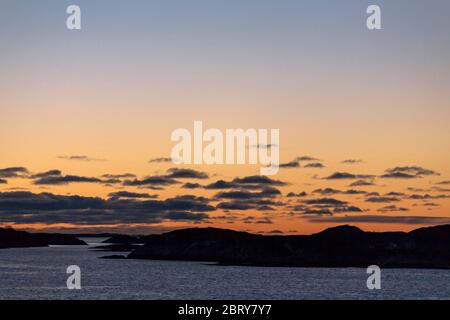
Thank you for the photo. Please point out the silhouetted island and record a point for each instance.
(343, 246)
(125, 239)
(120, 243)
(10, 238)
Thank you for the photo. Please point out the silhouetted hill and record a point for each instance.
(10, 238)
(343, 246)
(438, 236)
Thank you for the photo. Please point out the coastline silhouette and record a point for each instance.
(342, 246)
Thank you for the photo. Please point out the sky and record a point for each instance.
(83, 113)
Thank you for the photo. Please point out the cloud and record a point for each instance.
(382, 199)
(299, 195)
(325, 206)
(261, 202)
(398, 175)
(352, 161)
(3, 181)
(152, 181)
(255, 203)
(431, 204)
(306, 158)
(314, 165)
(126, 194)
(249, 182)
(258, 180)
(443, 182)
(330, 191)
(46, 174)
(55, 177)
(189, 185)
(327, 191)
(13, 172)
(160, 160)
(248, 219)
(119, 176)
(268, 192)
(235, 205)
(323, 211)
(263, 146)
(407, 172)
(290, 165)
(298, 208)
(24, 201)
(264, 221)
(185, 203)
(80, 158)
(326, 201)
(361, 183)
(265, 208)
(221, 184)
(275, 232)
(346, 175)
(412, 220)
(427, 196)
(392, 208)
(186, 216)
(186, 173)
(251, 219)
(158, 181)
(373, 194)
(345, 209)
(439, 189)
(353, 192)
(395, 194)
(48, 208)
(111, 181)
(61, 180)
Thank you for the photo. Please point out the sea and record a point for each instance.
(41, 274)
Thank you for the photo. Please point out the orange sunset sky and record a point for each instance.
(363, 115)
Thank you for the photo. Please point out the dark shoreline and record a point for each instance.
(340, 247)
(10, 238)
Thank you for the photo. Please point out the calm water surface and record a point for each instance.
(40, 273)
